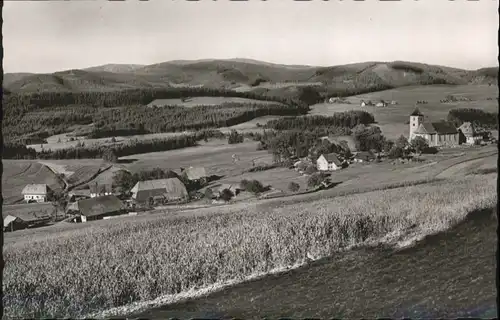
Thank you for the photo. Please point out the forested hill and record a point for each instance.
(247, 75)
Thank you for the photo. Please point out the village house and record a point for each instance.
(99, 190)
(437, 134)
(171, 189)
(363, 103)
(96, 208)
(235, 188)
(196, 174)
(470, 134)
(21, 216)
(76, 195)
(36, 193)
(364, 156)
(328, 162)
(381, 103)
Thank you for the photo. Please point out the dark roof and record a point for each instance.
(426, 127)
(99, 206)
(83, 192)
(444, 127)
(416, 112)
(29, 212)
(332, 158)
(365, 155)
(170, 188)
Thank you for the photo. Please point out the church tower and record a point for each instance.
(416, 118)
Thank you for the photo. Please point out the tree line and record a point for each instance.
(486, 120)
(130, 120)
(135, 146)
(348, 119)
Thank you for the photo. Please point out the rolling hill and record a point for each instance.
(246, 74)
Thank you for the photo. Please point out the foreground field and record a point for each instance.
(392, 119)
(18, 173)
(172, 254)
(449, 275)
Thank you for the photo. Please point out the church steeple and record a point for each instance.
(416, 118)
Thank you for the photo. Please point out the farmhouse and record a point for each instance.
(76, 195)
(196, 174)
(328, 162)
(470, 134)
(363, 103)
(99, 190)
(382, 103)
(36, 193)
(364, 156)
(436, 133)
(97, 208)
(171, 189)
(20, 216)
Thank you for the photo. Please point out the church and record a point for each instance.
(437, 134)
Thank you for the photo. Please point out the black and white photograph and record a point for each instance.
(259, 159)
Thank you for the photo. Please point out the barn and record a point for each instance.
(171, 189)
(97, 208)
(21, 216)
(196, 174)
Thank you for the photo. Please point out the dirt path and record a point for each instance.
(449, 275)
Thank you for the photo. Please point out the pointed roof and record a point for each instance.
(443, 127)
(332, 158)
(35, 189)
(416, 112)
(468, 129)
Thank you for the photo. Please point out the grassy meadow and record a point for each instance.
(18, 173)
(392, 119)
(76, 271)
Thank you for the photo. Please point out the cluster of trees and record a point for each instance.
(285, 145)
(54, 112)
(235, 137)
(36, 125)
(174, 118)
(109, 153)
(12, 150)
(369, 138)
(27, 101)
(348, 119)
(481, 118)
(253, 186)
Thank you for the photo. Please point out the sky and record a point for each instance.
(49, 36)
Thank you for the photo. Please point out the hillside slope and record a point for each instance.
(251, 74)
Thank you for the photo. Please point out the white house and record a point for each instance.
(36, 193)
(469, 134)
(381, 104)
(363, 103)
(328, 162)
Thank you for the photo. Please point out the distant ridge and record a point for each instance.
(245, 74)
